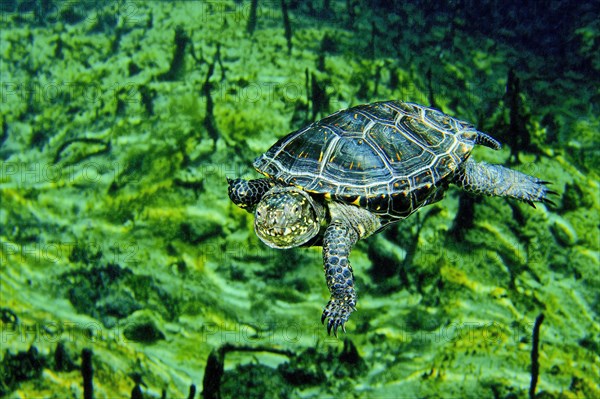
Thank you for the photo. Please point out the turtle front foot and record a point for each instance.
(337, 312)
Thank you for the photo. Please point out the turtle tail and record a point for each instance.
(487, 140)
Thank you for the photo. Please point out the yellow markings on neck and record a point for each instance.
(361, 230)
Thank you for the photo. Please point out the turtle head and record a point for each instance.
(287, 217)
(247, 193)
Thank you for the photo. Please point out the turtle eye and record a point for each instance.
(296, 209)
(258, 213)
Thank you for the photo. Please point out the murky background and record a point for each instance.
(125, 268)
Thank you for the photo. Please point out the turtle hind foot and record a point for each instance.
(544, 199)
(337, 313)
(496, 180)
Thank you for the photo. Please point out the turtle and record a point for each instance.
(359, 170)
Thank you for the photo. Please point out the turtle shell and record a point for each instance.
(390, 157)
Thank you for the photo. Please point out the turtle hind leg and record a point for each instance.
(247, 193)
(495, 180)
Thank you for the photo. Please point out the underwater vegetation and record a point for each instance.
(125, 270)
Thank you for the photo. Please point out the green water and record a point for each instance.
(122, 120)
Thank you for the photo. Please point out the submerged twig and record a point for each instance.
(318, 97)
(535, 364)
(307, 80)
(465, 217)
(87, 372)
(350, 12)
(430, 89)
(518, 135)
(181, 41)
(372, 42)
(136, 392)
(215, 366)
(210, 123)
(287, 25)
(3, 132)
(252, 17)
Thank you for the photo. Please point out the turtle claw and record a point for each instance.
(337, 313)
(333, 324)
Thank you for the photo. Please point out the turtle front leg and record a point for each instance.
(247, 193)
(337, 243)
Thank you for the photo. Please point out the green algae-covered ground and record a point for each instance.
(118, 235)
